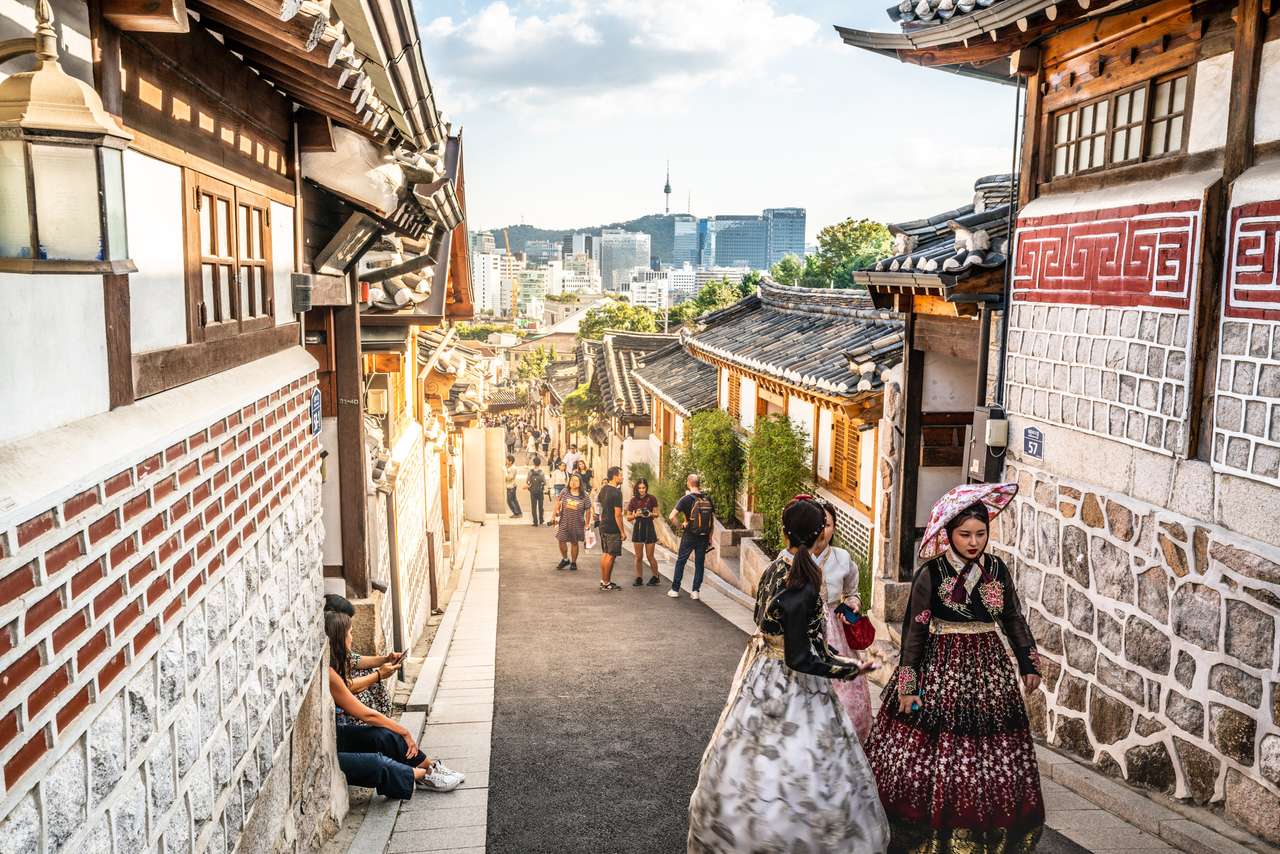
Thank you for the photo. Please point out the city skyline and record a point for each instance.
(740, 136)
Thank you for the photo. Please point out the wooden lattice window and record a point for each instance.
(1142, 122)
(735, 396)
(229, 276)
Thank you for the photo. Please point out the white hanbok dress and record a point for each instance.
(784, 771)
(840, 575)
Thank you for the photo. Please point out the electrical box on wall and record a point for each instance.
(376, 401)
(985, 444)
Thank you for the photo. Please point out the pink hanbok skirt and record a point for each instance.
(853, 694)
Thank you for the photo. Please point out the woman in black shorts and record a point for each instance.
(641, 511)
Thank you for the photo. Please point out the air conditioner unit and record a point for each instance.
(375, 401)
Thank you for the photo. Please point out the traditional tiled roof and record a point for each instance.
(800, 336)
(622, 353)
(502, 398)
(932, 11)
(590, 354)
(685, 383)
(562, 379)
(960, 241)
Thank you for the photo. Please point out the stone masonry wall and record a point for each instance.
(160, 651)
(1115, 372)
(1158, 638)
(1246, 436)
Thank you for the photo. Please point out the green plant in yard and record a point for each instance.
(863, 562)
(668, 490)
(778, 469)
(638, 471)
(582, 408)
(716, 454)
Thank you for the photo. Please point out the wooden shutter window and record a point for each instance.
(735, 395)
(839, 450)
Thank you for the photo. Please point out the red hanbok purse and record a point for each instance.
(859, 635)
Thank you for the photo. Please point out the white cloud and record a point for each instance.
(602, 55)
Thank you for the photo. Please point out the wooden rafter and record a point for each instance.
(310, 37)
(147, 16)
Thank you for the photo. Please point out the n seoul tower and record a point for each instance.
(667, 189)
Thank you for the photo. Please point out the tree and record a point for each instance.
(788, 270)
(715, 295)
(843, 248)
(716, 454)
(481, 331)
(778, 469)
(533, 364)
(582, 409)
(617, 315)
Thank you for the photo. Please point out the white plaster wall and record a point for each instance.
(53, 353)
(950, 385)
(282, 261)
(153, 215)
(679, 429)
(867, 467)
(473, 485)
(1209, 106)
(801, 412)
(1266, 122)
(747, 402)
(330, 494)
(724, 389)
(824, 443)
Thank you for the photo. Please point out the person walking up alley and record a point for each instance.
(611, 530)
(509, 477)
(536, 482)
(699, 515)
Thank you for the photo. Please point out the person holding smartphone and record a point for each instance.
(641, 510)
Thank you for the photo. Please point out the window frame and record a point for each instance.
(1071, 111)
(204, 322)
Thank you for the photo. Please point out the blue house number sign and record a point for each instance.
(315, 412)
(1033, 443)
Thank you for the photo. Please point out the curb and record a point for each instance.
(380, 819)
(1187, 828)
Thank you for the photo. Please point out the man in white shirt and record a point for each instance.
(571, 458)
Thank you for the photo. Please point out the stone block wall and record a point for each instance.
(1158, 634)
(161, 658)
(1115, 372)
(1246, 428)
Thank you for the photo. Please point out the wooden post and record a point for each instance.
(1245, 69)
(908, 483)
(105, 47)
(353, 478)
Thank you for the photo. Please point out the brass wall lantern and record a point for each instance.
(62, 206)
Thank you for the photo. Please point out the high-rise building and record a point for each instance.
(582, 243)
(482, 241)
(539, 252)
(486, 279)
(581, 275)
(785, 232)
(621, 254)
(709, 274)
(684, 241)
(741, 240)
(684, 283)
(510, 267)
(651, 289)
(533, 292)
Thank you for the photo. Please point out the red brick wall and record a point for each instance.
(90, 585)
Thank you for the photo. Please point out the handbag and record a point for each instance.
(859, 635)
(590, 538)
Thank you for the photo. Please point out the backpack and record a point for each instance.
(701, 516)
(537, 481)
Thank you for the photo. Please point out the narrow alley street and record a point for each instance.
(580, 716)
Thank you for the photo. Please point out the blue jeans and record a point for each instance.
(513, 504)
(374, 757)
(697, 546)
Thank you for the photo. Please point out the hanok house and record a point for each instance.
(815, 356)
(1142, 378)
(946, 277)
(387, 244)
(560, 381)
(161, 657)
(679, 386)
(610, 365)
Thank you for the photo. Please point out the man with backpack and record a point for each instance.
(536, 482)
(699, 515)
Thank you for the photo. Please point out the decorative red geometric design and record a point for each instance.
(1135, 255)
(1253, 262)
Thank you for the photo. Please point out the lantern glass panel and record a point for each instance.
(15, 221)
(113, 198)
(68, 212)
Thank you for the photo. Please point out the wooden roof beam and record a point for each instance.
(306, 35)
(148, 16)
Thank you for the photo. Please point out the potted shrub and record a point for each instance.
(778, 469)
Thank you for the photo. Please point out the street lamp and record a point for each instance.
(61, 167)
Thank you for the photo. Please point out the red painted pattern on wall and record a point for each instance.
(1138, 255)
(1253, 262)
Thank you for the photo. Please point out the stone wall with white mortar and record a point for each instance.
(161, 673)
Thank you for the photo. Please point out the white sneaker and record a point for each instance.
(674, 594)
(695, 595)
(440, 779)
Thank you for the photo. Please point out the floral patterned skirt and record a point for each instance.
(853, 694)
(960, 774)
(784, 770)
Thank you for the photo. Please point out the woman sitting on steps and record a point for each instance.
(377, 752)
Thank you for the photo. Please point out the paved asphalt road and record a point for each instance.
(603, 705)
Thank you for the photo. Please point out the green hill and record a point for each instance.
(659, 227)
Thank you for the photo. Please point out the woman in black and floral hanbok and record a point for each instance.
(951, 747)
(784, 771)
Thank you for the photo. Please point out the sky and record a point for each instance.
(570, 111)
